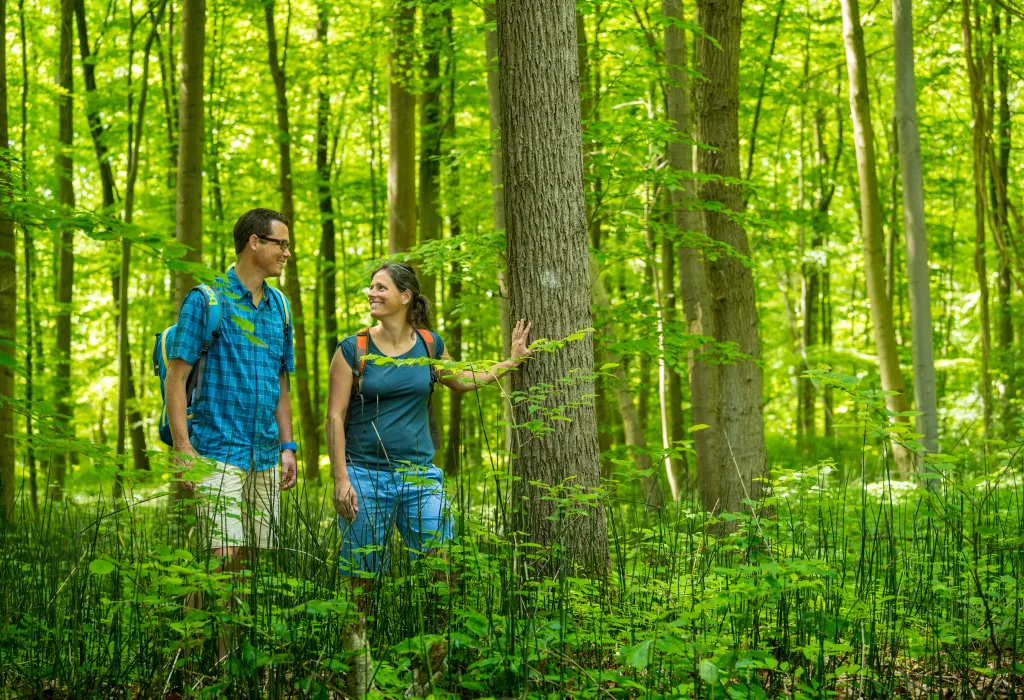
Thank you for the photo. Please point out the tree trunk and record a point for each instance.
(733, 303)
(8, 297)
(545, 214)
(66, 267)
(453, 300)
(673, 425)
(498, 205)
(975, 74)
(430, 138)
(693, 281)
(1005, 290)
(310, 430)
(402, 134)
(323, 187)
(189, 209)
(31, 330)
(871, 222)
(918, 274)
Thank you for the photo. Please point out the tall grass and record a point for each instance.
(832, 586)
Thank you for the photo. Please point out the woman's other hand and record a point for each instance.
(346, 503)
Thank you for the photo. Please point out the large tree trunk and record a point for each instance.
(741, 457)
(871, 222)
(323, 187)
(8, 297)
(310, 430)
(693, 282)
(402, 134)
(549, 283)
(66, 267)
(919, 277)
(189, 208)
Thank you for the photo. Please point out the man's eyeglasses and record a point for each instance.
(281, 243)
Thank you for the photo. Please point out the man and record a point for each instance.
(242, 419)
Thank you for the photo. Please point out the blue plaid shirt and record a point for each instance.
(234, 416)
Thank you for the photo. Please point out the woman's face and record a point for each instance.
(384, 297)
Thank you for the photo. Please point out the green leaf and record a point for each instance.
(101, 567)
(638, 656)
(244, 324)
(253, 339)
(695, 428)
(708, 671)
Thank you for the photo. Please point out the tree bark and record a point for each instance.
(189, 209)
(453, 313)
(310, 447)
(733, 303)
(1005, 289)
(31, 328)
(871, 222)
(918, 274)
(402, 134)
(673, 426)
(8, 297)
(66, 266)
(545, 214)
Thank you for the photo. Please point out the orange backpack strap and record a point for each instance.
(362, 343)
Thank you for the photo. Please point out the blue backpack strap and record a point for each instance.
(214, 314)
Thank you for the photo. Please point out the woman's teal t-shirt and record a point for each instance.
(389, 425)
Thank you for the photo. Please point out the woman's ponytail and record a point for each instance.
(419, 312)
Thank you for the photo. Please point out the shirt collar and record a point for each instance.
(236, 286)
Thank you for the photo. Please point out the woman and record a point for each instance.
(378, 425)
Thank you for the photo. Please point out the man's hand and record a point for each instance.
(184, 459)
(345, 501)
(289, 472)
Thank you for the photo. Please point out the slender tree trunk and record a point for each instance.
(871, 222)
(430, 137)
(976, 76)
(498, 204)
(693, 281)
(402, 134)
(673, 427)
(66, 267)
(453, 300)
(733, 304)
(8, 296)
(919, 276)
(545, 213)
(1003, 165)
(31, 332)
(307, 419)
(323, 186)
(189, 210)
(213, 129)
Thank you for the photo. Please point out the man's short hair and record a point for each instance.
(255, 222)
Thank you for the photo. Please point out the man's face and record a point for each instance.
(270, 256)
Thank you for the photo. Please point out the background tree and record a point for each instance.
(8, 296)
(741, 454)
(189, 211)
(401, 133)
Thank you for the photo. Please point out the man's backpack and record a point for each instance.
(359, 370)
(211, 331)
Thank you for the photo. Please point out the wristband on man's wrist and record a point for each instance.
(289, 446)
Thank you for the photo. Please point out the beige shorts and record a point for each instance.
(241, 507)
